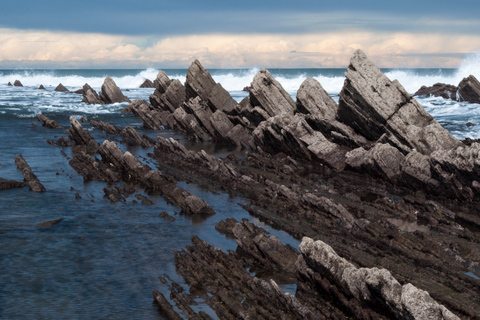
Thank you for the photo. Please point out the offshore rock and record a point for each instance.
(111, 93)
(446, 91)
(370, 287)
(313, 99)
(10, 184)
(268, 94)
(199, 82)
(47, 122)
(147, 84)
(9, 84)
(107, 127)
(80, 137)
(373, 105)
(469, 90)
(28, 175)
(61, 88)
(17, 83)
(90, 96)
(41, 87)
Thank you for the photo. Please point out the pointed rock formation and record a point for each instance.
(168, 95)
(61, 88)
(373, 105)
(313, 99)
(80, 137)
(111, 93)
(41, 87)
(199, 82)
(469, 90)
(268, 94)
(147, 84)
(17, 83)
(90, 96)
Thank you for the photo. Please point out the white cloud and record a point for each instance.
(330, 49)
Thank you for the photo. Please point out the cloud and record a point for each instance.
(26, 48)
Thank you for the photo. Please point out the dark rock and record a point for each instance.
(166, 216)
(52, 124)
(111, 93)
(107, 127)
(79, 91)
(145, 201)
(469, 124)
(61, 88)
(10, 184)
(220, 99)
(83, 119)
(147, 84)
(373, 105)
(134, 137)
(165, 307)
(80, 137)
(142, 109)
(90, 96)
(28, 175)
(446, 91)
(199, 82)
(17, 83)
(41, 87)
(268, 94)
(469, 90)
(50, 223)
(169, 95)
(9, 84)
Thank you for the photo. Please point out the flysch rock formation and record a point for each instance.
(49, 123)
(29, 177)
(467, 90)
(110, 93)
(61, 88)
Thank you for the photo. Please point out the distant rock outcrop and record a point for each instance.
(90, 96)
(147, 84)
(61, 88)
(467, 90)
(49, 123)
(111, 93)
(41, 87)
(17, 83)
(446, 91)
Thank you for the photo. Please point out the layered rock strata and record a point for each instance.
(29, 177)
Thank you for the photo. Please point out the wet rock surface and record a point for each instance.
(10, 184)
(29, 177)
(49, 123)
(467, 90)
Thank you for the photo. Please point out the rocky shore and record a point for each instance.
(382, 197)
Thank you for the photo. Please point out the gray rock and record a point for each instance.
(268, 94)
(469, 90)
(147, 84)
(169, 95)
(28, 175)
(80, 137)
(373, 105)
(61, 88)
(220, 99)
(446, 91)
(382, 160)
(90, 96)
(202, 112)
(313, 99)
(344, 217)
(199, 82)
(17, 83)
(111, 93)
(369, 286)
(221, 125)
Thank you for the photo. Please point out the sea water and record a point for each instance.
(103, 260)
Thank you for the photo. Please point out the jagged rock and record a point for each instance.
(17, 83)
(79, 136)
(79, 91)
(344, 218)
(199, 82)
(147, 84)
(220, 99)
(268, 94)
(141, 108)
(107, 127)
(132, 135)
(166, 216)
(202, 113)
(373, 105)
(169, 94)
(52, 124)
(41, 87)
(370, 287)
(221, 125)
(28, 175)
(111, 93)
(61, 88)
(10, 184)
(469, 90)
(165, 306)
(90, 96)
(293, 136)
(382, 160)
(9, 84)
(446, 91)
(313, 99)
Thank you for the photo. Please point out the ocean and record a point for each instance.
(103, 260)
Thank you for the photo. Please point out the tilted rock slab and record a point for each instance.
(90, 96)
(313, 99)
(469, 90)
(198, 82)
(111, 92)
(268, 94)
(373, 105)
(28, 175)
(81, 137)
(372, 287)
(49, 123)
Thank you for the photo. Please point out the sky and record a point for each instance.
(236, 34)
